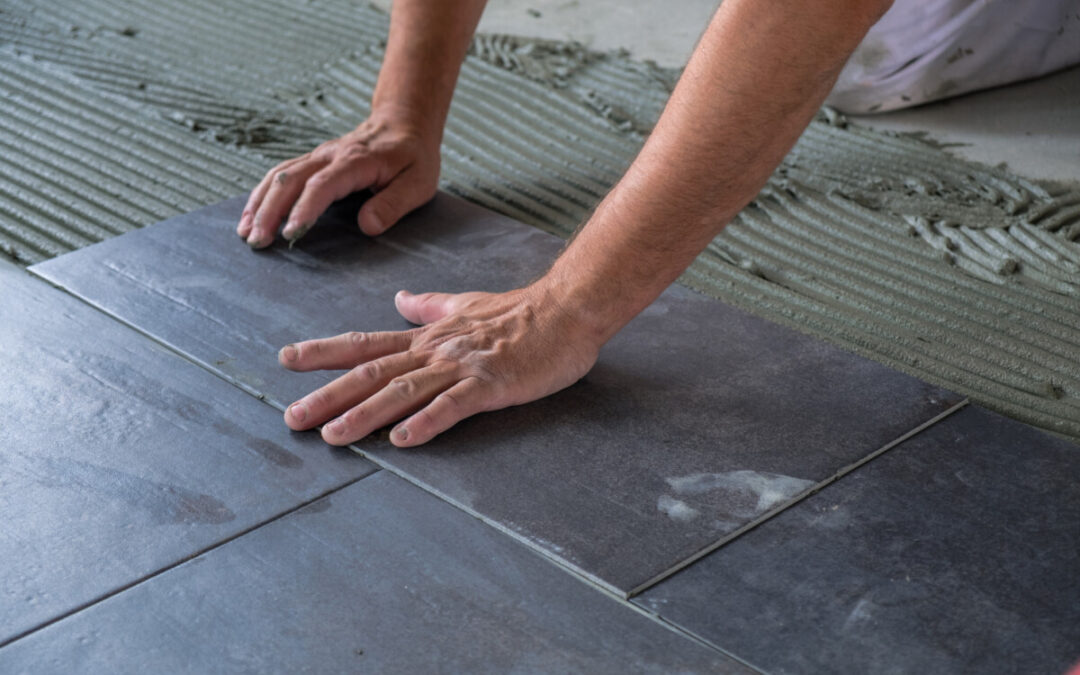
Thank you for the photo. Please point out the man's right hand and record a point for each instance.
(395, 159)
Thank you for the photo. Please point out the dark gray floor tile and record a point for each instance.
(956, 552)
(118, 458)
(378, 577)
(697, 420)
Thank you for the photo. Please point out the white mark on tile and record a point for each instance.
(743, 493)
(862, 612)
(676, 509)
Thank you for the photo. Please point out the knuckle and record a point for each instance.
(356, 339)
(355, 152)
(368, 371)
(451, 400)
(404, 387)
(281, 176)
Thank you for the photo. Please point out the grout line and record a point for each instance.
(247, 389)
(594, 583)
(769, 515)
(178, 563)
(591, 579)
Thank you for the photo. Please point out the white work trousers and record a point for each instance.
(924, 50)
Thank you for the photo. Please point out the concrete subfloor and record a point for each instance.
(1030, 126)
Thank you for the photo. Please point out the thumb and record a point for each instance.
(426, 307)
(389, 205)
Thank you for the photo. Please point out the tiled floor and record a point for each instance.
(380, 577)
(957, 551)
(160, 519)
(698, 420)
(119, 459)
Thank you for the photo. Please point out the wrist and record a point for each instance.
(411, 115)
(404, 121)
(596, 307)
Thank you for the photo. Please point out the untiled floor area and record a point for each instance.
(720, 494)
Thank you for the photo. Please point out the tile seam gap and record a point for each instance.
(769, 515)
(188, 558)
(589, 580)
(694, 637)
(202, 365)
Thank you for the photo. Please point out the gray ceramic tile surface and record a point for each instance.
(956, 552)
(697, 420)
(379, 577)
(118, 459)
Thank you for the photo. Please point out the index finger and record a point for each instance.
(343, 351)
(256, 197)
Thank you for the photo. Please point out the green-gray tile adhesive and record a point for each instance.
(118, 113)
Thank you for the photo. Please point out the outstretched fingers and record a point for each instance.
(350, 389)
(342, 351)
(401, 396)
(465, 399)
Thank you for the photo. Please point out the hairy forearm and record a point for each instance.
(427, 43)
(759, 73)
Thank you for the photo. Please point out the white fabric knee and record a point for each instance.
(924, 50)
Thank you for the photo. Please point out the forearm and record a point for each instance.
(426, 46)
(759, 73)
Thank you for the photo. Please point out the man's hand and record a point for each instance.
(475, 352)
(387, 154)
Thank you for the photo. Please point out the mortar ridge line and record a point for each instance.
(772, 513)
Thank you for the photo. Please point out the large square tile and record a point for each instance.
(118, 459)
(698, 420)
(956, 552)
(378, 577)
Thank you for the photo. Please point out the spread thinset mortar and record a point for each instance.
(118, 113)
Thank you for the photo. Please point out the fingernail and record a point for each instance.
(402, 433)
(337, 427)
(377, 224)
(289, 353)
(255, 243)
(298, 411)
(295, 233)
